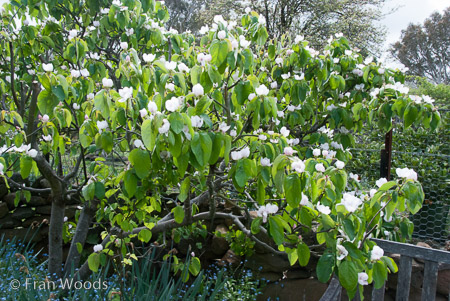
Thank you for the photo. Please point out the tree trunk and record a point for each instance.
(86, 216)
(55, 238)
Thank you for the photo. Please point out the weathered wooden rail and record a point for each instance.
(407, 252)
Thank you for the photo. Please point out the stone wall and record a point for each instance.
(28, 220)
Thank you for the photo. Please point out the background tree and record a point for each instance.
(425, 49)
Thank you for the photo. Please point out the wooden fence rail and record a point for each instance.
(407, 252)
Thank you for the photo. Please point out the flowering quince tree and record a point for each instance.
(146, 126)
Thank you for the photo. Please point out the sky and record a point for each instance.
(408, 11)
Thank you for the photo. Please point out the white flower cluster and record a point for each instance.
(406, 173)
(265, 210)
(241, 154)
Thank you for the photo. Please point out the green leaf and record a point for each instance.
(194, 266)
(99, 190)
(242, 91)
(255, 225)
(176, 122)
(303, 254)
(140, 159)
(276, 230)
(387, 186)
(145, 235)
(79, 248)
(325, 266)
(94, 262)
(184, 189)
(178, 214)
(379, 274)
(130, 182)
(410, 115)
(26, 162)
(201, 146)
(148, 135)
(414, 196)
(292, 187)
(219, 52)
(348, 275)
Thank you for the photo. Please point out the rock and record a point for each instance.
(293, 290)
(443, 282)
(297, 274)
(70, 211)
(267, 263)
(230, 258)
(219, 245)
(424, 245)
(9, 223)
(44, 209)
(22, 213)
(24, 235)
(272, 277)
(4, 210)
(3, 191)
(9, 199)
(36, 201)
(253, 214)
(35, 221)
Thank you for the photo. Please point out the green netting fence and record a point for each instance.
(429, 155)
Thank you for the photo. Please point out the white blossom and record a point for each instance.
(264, 211)
(221, 34)
(171, 65)
(45, 118)
(73, 34)
(262, 90)
(183, 68)
(138, 144)
(198, 90)
(376, 253)
(170, 86)
(406, 173)
(289, 151)
(339, 164)
(320, 167)
(298, 39)
(152, 107)
(84, 72)
(350, 202)
(32, 153)
(143, 112)
(75, 73)
(126, 93)
(323, 209)
(251, 96)
(102, 125)
(164, 127)
(304, 200)
(362, 278)
(241, 154)
(107, 82)
(1, 168)
(316, 152)
(47, 67)
(265, 162)
(98, 248)
(223, 127)
(380, 182)
(197, 121)
(172, 104)
(47, 138)
(124, 45)
(284, 131)
(148, 57)
(298, 165)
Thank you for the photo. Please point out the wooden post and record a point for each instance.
(386, 156)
